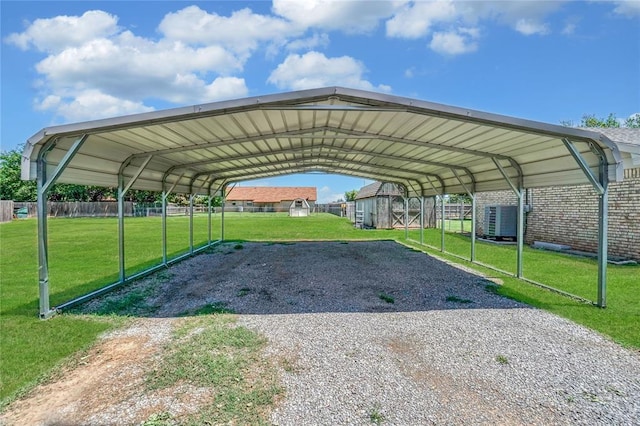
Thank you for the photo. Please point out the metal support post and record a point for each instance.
(209, 219)
(473, 227)
(224, 200)
(442, 213)
(406, 218)
(43, 183)
(164, 227)
(43, 252)
(520, 232)
(121, 258)
(601, 185)
(518, 189)
(422, 219)
(603, 223)
(191, 223)
(122, 191)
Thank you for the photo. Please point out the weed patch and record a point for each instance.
(213, 352)
(244, 291)
(386, 298)
(492, 288)
(501, 359)
(159, 419)
(216, 308)
(127, 303)
(456, 299)
(376, 415)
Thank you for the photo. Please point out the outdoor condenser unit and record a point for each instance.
(500, 221)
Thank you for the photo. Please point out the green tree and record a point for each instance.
(633, 122)
(351, 195)
(460, 198)
(590, 120)
(11, 186)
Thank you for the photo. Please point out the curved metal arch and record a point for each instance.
(419, 143)
(194, 178)
(332, 160)
(347, 151)
(166, 175)
(307, 166)
(322, 168)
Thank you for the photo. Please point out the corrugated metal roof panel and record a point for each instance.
(346, 131)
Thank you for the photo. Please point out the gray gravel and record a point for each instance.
(446, 351)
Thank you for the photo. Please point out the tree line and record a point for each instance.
(12, 187)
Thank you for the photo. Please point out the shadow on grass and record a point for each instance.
(264, 278)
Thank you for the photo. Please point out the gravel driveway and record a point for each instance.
(361, 333)
(374, 332)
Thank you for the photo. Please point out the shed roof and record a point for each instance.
(430, 148)
(368, 191)
(379, 188)
(271, 194)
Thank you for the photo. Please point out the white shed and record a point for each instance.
(299, 208)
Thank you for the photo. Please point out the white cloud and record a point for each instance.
(61, 32)
(569, 29)
(89, 105)
(419, 19)
(347, 16)
(327, 195)
(410, 72)
(415, 20)
(531, 27)
(508, 12)
(135, 68)
(122, 70)
(455, 43)
(225, 88)
(629, 8)
(314, 69)
(242, 32)
(317, 40)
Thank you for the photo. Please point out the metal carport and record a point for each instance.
(431, 149)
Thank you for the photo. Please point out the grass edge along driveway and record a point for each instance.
(83, 257)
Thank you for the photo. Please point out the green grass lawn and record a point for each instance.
(84, 256)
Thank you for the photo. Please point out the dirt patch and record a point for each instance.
(107, 384)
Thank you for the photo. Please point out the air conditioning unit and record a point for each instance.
(500, 221)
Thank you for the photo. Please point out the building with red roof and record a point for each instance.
(269, 198)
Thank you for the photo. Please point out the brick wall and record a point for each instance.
(569, 215)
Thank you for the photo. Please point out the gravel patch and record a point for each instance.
(374, 332)
(377, 333)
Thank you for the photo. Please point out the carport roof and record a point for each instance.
(430, 148)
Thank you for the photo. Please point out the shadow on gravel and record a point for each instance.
(303, 277)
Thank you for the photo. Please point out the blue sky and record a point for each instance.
(549, 61)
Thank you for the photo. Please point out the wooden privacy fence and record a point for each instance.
(78, 208)
(6, 210)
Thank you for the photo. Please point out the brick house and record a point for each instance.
(568, 215)
(268, 198)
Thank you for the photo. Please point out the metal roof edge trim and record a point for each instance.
(355, 95)
(412, 105)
